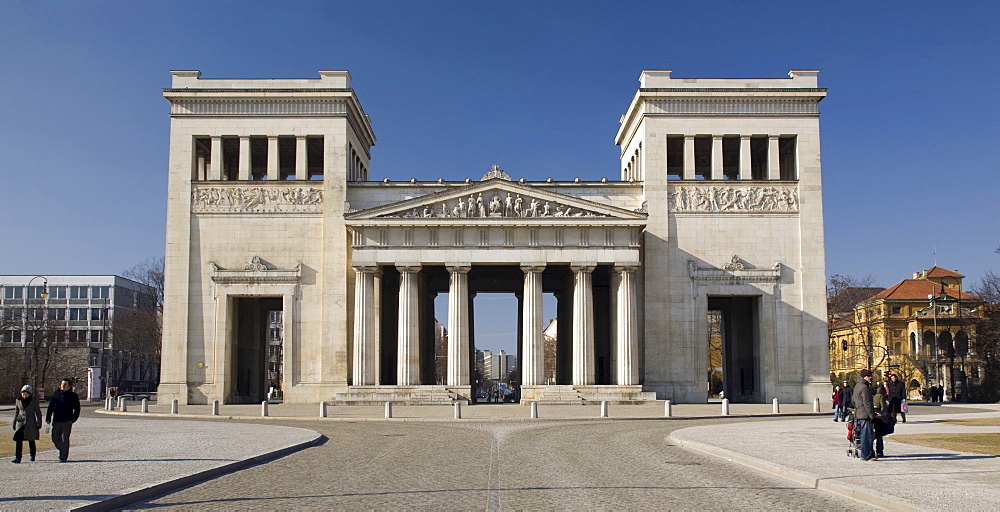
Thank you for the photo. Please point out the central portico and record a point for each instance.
(495, 235)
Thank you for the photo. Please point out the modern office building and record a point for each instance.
(45, 316)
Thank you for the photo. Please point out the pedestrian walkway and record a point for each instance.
(114, 461)
(813, 452)
(122, 457)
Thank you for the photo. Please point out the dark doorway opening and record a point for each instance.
(257, 348)
(736, 319)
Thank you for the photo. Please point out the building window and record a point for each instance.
(78, 292)
(13, 292)
(897, 310)
(78, 336)
(57, 313)
(77, 313)
(96, 336)
(98, 313)
(100, 292)
(35, 292)
(57, 292)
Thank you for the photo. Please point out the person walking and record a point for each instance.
(836, 402)
(864, 412)
(27, 421)
(845, 400)
(62, 413)
(897, 393)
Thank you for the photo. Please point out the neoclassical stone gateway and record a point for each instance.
(288, 268)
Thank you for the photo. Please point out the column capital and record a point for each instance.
(408, 267)
(367, 269)
(459, 268)
(582, 267)
(247, 137)
(747, 137)
(688, 136)
(716, 137)
(774, 137)
(532, 267)
(626, 267)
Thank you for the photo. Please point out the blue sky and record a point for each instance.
(909, 129)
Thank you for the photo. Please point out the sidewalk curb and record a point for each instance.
(448, 420)
(130, 496)
(787, 473)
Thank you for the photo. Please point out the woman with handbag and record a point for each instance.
(27, 420)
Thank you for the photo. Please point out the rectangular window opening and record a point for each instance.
(675, 157)
(730, 158)
(758, 158)
(314, 157)
(702, 157)
(787, 158)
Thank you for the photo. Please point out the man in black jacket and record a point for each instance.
(897, 393)
(845, 400)
(864, 411)
(62, 413)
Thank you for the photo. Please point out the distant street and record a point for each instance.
(543, 465)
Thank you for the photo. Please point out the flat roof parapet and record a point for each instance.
(661, 79)
(191, 79)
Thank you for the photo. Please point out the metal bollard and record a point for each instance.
(458, 411)
(774, 406)
(123, 406)
(388, 410)
(725, 407)
(173, 406)
(107, 403)
(263, 408)
(145, 405)
(604, 408)
(668, 409)
(816, 405)
(215, 407)
(322, 409)
(534, 409)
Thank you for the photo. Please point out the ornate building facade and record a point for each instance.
(921, 329)
(290, 265)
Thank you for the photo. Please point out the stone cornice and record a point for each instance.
(735, 272)
(256, 272)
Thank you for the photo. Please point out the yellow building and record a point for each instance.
(919, 328)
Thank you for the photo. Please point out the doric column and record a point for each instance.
(244, 172)
(688, 157)
(533, 342)
(408, 354)
(746, 170)
(773, 162)
(273, 172)
(215, 164)
(716, 157)
(627, 327)
(202, 169)
(458, 325)
(301, 163)
(583, 325)
(364, 326)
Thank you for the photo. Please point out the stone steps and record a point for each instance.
(402, 395)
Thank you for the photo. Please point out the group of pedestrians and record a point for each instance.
(876, 408)
(62, 412)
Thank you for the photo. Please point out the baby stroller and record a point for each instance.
(853, 436)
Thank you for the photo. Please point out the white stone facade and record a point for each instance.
(271, 208)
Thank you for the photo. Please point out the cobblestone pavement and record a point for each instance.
(497, 465)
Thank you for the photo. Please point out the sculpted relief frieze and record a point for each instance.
(736, 199)
(497, 204)
(259, 199)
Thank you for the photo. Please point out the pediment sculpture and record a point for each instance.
(495, 204)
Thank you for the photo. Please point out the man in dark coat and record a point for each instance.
(62, 413)
(864, 411)
(845, 400)
(897, 393)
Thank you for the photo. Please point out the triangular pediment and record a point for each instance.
(495, 200)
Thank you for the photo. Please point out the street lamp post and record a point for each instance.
(24, 324)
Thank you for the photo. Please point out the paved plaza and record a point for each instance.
(494, 458)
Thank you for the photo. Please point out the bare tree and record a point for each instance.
(986, 343)
(136, 335)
